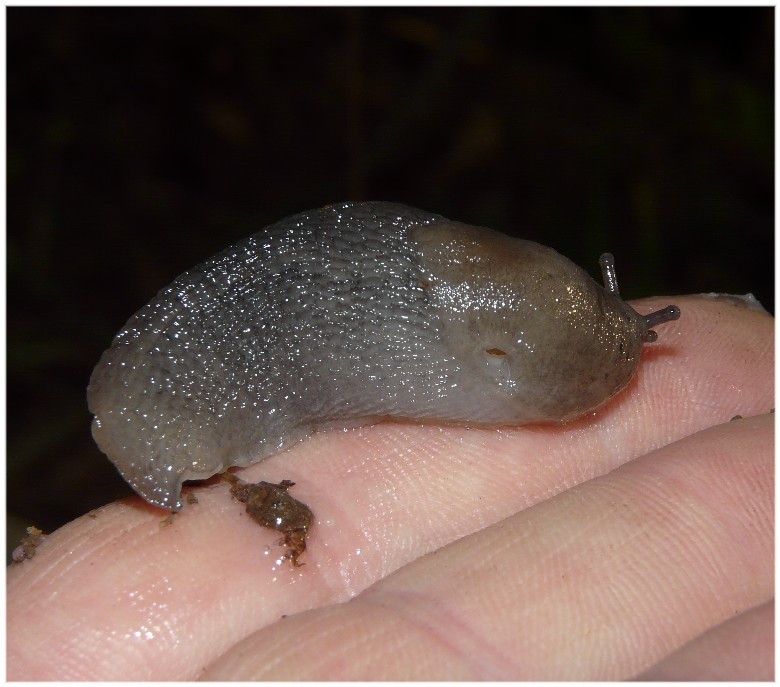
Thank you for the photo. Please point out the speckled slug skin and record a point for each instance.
(353, 311)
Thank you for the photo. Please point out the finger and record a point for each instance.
(740, 649)
(383, 496)
(594, 584)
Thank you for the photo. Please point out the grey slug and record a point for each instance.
(349, 314)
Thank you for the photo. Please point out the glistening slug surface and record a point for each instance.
(355, 310)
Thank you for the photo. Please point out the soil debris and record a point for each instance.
(271, 506)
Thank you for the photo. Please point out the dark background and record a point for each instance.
(141, 141)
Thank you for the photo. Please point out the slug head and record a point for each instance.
(527, 325)
(667, 314)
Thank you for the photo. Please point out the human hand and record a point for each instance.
(588, 551)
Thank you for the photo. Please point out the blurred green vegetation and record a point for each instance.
(142, 140)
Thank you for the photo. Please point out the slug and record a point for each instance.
(346, 315)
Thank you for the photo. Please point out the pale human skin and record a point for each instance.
(637, 542)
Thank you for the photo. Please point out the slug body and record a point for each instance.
(349, 314)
